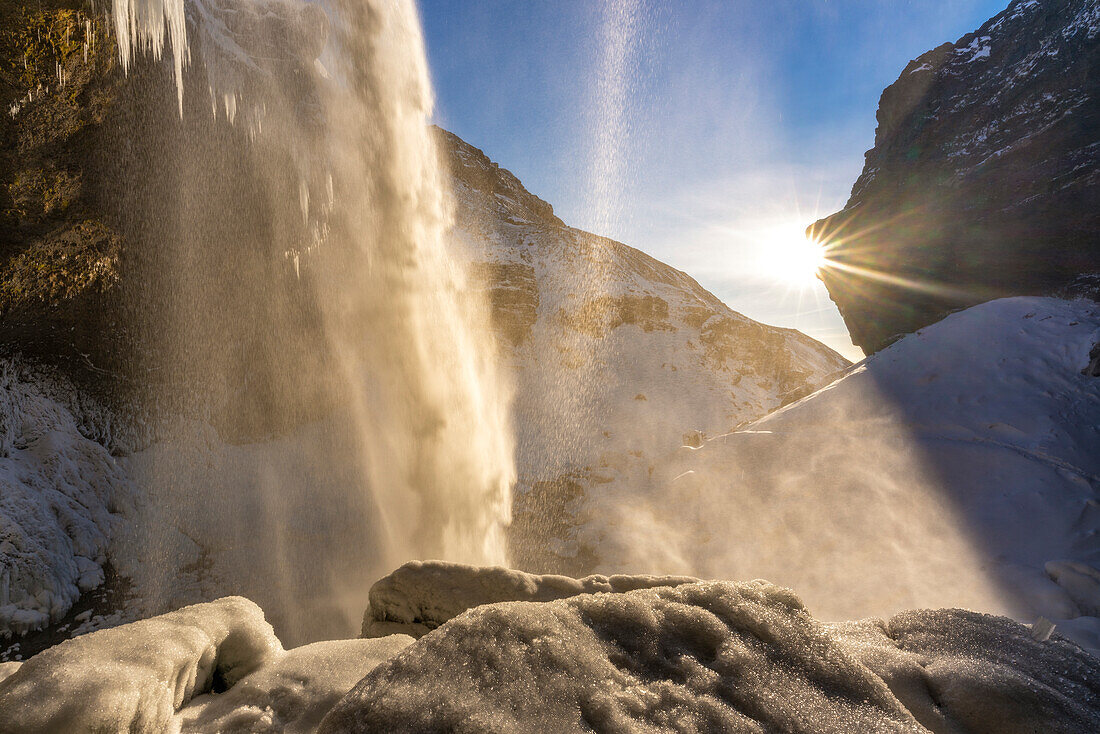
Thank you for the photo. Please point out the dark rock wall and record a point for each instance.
(984, 178)
(60, 255)
(120, 220)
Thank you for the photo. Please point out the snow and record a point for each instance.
(604, 653)
(8, 668)
(61, 496)
(1080, 581)
(293, 693)
(978, 48)
(947, 470)
(1086, 21)
(424, 594)
(136, 677)
(719, 656)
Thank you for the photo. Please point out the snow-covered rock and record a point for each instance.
(61, 495)
(293, 693)
(209, 668)
(136, 677)
(719, 656)
(697, 656)
(616, 358)
(958, 467)
(421, 595)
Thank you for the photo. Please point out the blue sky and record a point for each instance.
(705, 133)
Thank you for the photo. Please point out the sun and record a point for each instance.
(789, 256)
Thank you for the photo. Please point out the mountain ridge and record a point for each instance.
(983, 180)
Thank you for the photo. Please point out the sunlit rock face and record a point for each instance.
(983, 180)
(616, 357)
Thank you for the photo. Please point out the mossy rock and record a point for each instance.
(61, 266)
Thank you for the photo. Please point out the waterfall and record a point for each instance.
(310, 283)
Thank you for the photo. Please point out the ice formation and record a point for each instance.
(208, 668)
(421, 595)
(61, 496)
(698, 656)
(136, 677)
(145, 25)
(293, 693)
(718, 656)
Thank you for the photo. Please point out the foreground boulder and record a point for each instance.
(983, 180)
(719, 656)
(135, 677)
(421, 595)
(690, 657)
(213, 667)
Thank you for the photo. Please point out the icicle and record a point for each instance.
(1042, 629)
(303, 199)
(141, 24)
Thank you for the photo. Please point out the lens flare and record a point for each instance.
(787, 255)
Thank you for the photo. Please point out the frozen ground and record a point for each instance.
(698, 656)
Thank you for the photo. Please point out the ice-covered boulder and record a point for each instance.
(136, 677)
(717, 656)
(205, 669)
(8, 669)
(962, 671)
(700, 656)
(292, 693)
(421, 595)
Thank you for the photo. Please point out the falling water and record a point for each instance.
(311, 301)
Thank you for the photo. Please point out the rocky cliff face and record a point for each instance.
(984, 178)
(60, 256)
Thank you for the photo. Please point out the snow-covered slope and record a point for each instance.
(616, 357)
(958, 467)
